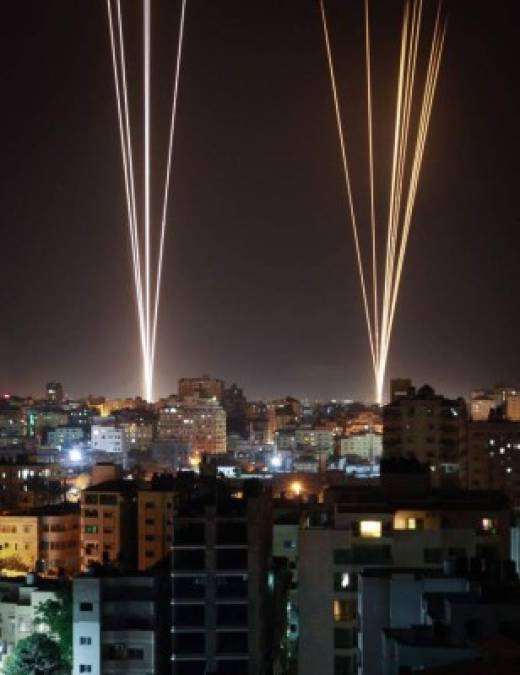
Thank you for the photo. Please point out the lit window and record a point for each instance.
(411, 524)
(488, 524)
(370, 528)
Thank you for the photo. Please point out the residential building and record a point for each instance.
(222, 614)
(108, 438)
(65, 438)
(428, 426)
(454, 627)
(121, 623)
(26, 484)
(45, 539)
(155, 522)
(19, 600)
(401, 524)
(481, 408)
(201, 423)
(204, 387)
(108, 524)
(54, 392)
(285, 545)
(368, 446)
(492, 458)
(318, 440)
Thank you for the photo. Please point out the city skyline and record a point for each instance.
(260, 286)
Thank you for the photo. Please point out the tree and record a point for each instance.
(35, 655)
(57, 615)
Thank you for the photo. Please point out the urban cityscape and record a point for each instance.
(278, 243)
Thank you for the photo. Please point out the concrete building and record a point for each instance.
(481, 408)
(430, 427)
(392, 598)
(222, 620)
(108, 524)
(154, 523)
(65, 438)
(201, 423)
(492, 457)
(19, 600)
(204, 387)
(454, 627)
(285, 545)
(370, 527)
(121, 623)
(513, 406)
(25, 484)
(366, 445)
(108, 438)
(45, 539)
(54, 391)
(319, 440)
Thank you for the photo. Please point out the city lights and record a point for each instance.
(379, 308)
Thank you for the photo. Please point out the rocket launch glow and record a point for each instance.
(405, 174)
(147, 267)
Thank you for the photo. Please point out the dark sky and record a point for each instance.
(260, 285)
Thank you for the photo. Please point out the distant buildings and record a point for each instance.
(199, 422)
(204, 387)
(54, 392)
(108, 438)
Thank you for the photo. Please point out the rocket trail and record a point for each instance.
(146, 266)
(404, 175)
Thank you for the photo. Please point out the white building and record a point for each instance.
(108, 439)
(117, 627)
(370, 531)
(368, 446)
(18, 604)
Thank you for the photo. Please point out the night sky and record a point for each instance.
(260, 286)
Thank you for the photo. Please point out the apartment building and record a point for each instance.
(121, 623)
(108, 524)
(386, 526)
(222, 586)
(46, 539)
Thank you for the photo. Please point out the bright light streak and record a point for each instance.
(346, 174)
(405, 171)
(145, 264)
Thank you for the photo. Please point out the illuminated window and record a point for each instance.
(370, 529)
(488, 525)
(344, 610)
(411, 524)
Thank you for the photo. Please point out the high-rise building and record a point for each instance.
(121, 623)
(235, 404)
(221, 583)
(201, 387)
(54, 392)
(430, 427)
(201, 423)
(108, 524)
(399, 388)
